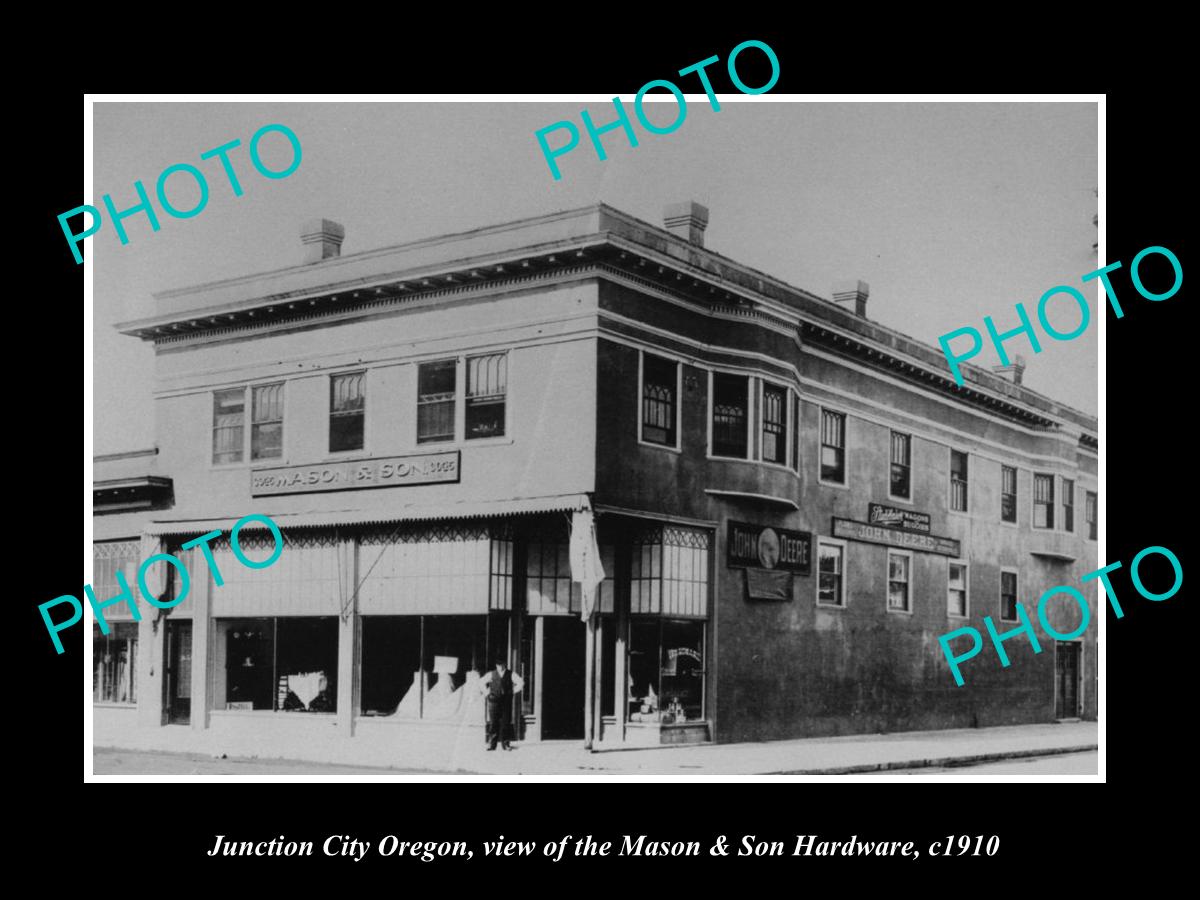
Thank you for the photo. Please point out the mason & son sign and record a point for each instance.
(392, 471)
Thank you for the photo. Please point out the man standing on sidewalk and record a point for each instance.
(499, 686)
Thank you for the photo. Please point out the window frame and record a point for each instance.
(1091, 499)
(454, 413)
(221, 705)
(464, 367)
(763, 384)
(845, 593)
(820, 436)
(712, 402)
(892, 433)
(1033, 505)
(247, 391)
(966, 614)
(966, 510)
(908, 554)
(329, 414)
(1016, 574)
(1016, 495)
(132, 644)
(1067, 507)
(641, 398)
(795, 461)
(282, 421)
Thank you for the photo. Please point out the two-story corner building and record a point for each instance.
(792, 501)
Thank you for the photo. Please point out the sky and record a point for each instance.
(950, 211)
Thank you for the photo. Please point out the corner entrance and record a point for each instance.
(564, 645)
(1066, 678)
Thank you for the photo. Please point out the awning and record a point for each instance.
(757, 498)
(1054, 555)
(398, 513)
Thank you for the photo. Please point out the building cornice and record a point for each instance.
(618, 247)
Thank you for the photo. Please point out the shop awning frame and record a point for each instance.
(403, 513)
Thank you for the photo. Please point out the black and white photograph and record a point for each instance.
(461, 453)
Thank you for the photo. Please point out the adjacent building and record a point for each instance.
(791, 502)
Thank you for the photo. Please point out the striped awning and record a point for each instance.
(398, 513)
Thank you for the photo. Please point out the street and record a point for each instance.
(141, 762)
(1059, 764)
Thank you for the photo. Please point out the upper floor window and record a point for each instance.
(1068, 504)
(487, 388)
(1008, 494)
(660, 388)
(347, 411)
(1043, 501)
(266, 423)
(956, 590)
(958, 481)
(229, 425)
(1089, 513)
(831, 589)
(1008, 596)
(833, 447)
(435, 401)
(901, 485)
(899, 581)
(729, 415)
(774, 424)
(796, 433)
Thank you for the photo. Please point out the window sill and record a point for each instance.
(843, 485)
(894, 499)
(272, 713)
(821, 605)
(667, 447)
(500, 441)
(114, 704)
(900, 612)
(955, 617)
(781, 467)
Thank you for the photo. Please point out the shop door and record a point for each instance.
(179, 672)
(1066, 661)
(563, 647)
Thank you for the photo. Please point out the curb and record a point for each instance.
(944, 761)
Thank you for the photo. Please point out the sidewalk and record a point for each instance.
(814, 756)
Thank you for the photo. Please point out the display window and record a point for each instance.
(666, 670)
(428, 667)
(114, 663)
(286, 664)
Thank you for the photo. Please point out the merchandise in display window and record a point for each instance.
(666, 670)
(286, 664)
(428, 667)
(114, 663)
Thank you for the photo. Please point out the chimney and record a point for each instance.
(322, 239)
(847, 294)
(1013, 372)
(686, 220)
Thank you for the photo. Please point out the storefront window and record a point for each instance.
(288, 664)
(427, 667)
(114, 663)
(666, 670)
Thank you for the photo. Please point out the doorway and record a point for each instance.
(563, 648)
(178, 680)
(1066, 677)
